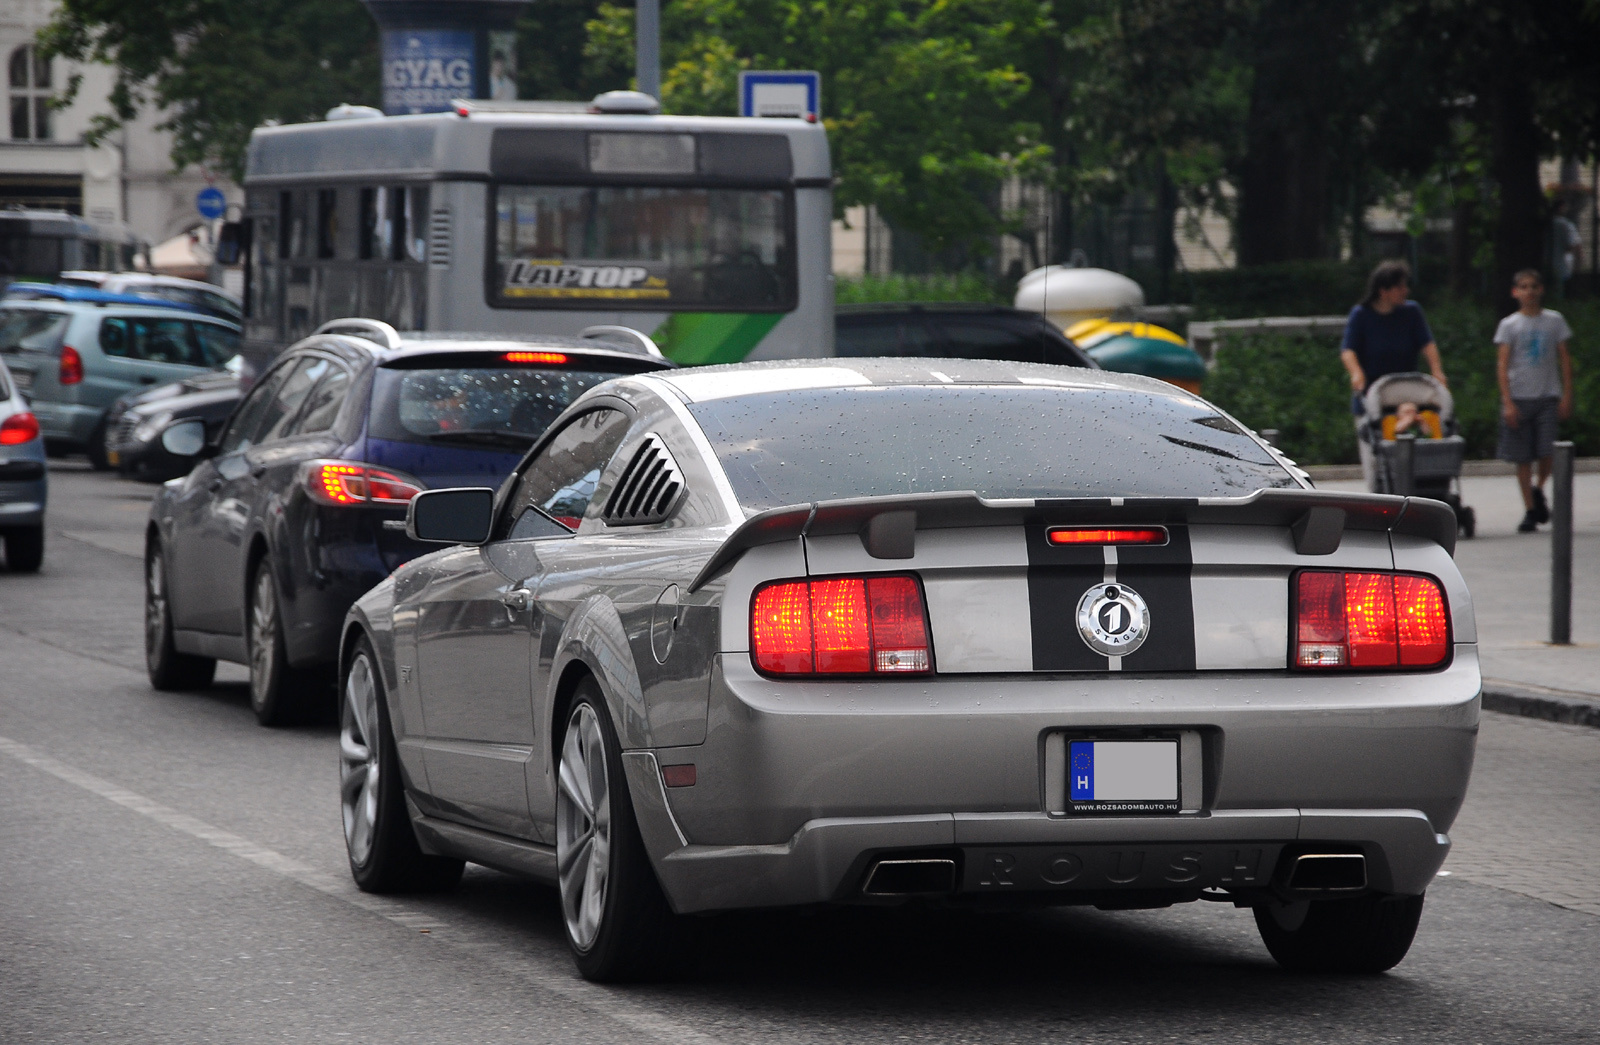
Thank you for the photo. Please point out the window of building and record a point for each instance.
(30, 95)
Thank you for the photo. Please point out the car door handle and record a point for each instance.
(258, 471)
(147, 379)
(519, 599)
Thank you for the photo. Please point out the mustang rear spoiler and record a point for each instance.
(888, 525)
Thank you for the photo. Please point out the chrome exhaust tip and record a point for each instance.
(911, 877)
(1328, 873)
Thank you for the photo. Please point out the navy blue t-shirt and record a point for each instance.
(1386, 344)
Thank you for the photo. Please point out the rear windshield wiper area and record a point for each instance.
(496, 438)
(1203, 448)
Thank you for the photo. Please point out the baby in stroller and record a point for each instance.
(1418, 406)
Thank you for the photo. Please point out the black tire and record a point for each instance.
(1367, 934)
(1469, 523)
(379, 840)
(280, 695)
(95, 448)
(25, 549)
(636, 929)
(168, 669)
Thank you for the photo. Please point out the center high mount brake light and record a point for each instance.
(1369, 621)
(546, 358)
(345, 483)
(841, 626)
(1089, 535)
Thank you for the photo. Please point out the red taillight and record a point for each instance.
(1369, 620)
(1086, 535)
(346, 483)
(546, 358)
(780, 628)
(840, 626)
(71, 371)
(19, 428)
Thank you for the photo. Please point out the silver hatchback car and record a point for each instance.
(23, 480)
(877, 631)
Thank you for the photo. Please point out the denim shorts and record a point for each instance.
(1535, 436)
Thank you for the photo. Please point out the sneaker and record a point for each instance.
(1529, 523)
(1541, 508)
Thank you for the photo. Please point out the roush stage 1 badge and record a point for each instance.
(1113, 619)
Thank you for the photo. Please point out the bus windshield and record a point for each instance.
(656, 248)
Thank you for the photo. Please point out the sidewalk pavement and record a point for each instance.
(1509, 575)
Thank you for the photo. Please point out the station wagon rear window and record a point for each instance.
(809, 445)
(658, 247)
(475, 407)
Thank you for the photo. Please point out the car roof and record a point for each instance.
(416, 344)
(700, 384)
(113, 305)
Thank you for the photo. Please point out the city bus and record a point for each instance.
(40, 244)
(710, 235)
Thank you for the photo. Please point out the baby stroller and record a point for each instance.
(1438, 447)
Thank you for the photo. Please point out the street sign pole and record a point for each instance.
(647, 47)
(1561, 547)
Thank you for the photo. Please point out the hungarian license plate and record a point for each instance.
(1122, 776)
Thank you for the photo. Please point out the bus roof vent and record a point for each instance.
(625, 103)
(346, 111)
(439, 238)
(648, 490)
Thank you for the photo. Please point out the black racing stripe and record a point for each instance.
(1058, 577)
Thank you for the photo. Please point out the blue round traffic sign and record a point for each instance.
(211, 203)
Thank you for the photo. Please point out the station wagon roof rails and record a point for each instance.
(630, 338)
(373, 330)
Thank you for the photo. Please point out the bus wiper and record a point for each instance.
(496, 437)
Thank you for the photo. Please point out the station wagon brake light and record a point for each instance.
(71, 371)
(343, 483)
(841, 626)
(1369, 621)
(18, 429)
(546, 358)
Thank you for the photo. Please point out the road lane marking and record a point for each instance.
(610, 1003)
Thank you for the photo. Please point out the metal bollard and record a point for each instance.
(1405, 463)
(1561, 547)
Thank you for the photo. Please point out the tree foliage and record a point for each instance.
(219, 68)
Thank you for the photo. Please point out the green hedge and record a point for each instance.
(963, 286)
(1296, 384)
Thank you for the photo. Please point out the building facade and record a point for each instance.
(44, 162)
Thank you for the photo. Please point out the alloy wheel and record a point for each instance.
(583, 827)
(359, 742)
(263, 637)
(155, 605)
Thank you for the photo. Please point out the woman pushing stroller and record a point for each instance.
(1385, 334)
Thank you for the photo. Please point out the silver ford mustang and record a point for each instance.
(936, 630)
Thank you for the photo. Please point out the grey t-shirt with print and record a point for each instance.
(1535, 366)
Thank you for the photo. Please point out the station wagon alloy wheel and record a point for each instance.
(583, 827)
(359, 768)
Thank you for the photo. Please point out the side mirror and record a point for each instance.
(186, 438)
(460, 516)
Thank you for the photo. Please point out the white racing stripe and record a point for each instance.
(588, 996)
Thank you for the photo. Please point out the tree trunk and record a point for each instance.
(1284, 203)
(1519, 231)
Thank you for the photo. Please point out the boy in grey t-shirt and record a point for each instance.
(1535, 374)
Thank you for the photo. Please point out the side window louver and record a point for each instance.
(649, 489)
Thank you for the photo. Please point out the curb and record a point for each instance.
(1552, 705)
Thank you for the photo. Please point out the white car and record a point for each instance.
(207, 297)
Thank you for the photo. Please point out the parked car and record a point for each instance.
(953, 331)
(298, 505)
(136, 421)
(23, 483)
(74, 357)
(204, 297)
(864, 631)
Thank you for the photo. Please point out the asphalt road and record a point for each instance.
(172, 872)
